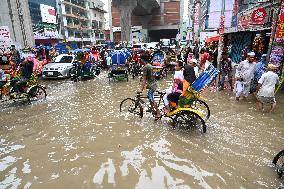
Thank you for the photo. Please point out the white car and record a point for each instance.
(60, 67)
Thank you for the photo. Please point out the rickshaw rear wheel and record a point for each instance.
(202, 107)
(188, 119)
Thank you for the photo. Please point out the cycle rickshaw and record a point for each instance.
(30, 90)
(119, 69)
(191, 112)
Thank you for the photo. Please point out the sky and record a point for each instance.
(185, 15)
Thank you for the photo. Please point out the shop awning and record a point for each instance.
(212, 38)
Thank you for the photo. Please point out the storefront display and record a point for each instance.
(259, 45)
(276, 56)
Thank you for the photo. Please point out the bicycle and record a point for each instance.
(138, 102)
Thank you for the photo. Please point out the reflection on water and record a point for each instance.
(79, 139)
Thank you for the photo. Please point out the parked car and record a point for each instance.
(60, 67)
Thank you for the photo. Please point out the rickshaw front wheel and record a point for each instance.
(132, 106)
(36, 93)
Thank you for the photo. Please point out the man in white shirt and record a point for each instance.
(108, 61)
(244, 75)
(266, 88)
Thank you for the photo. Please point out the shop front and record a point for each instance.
(253, 30)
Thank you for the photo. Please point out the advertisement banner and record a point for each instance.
(5, 39)
(276, 55)
(280, 27)
(46, 31)
(252, 19)
(222, 25)
(235, 14)
(48, 14)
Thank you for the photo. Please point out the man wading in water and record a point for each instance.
(244, 75)
(150, 83)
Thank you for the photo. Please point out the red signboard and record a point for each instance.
(258, 15)
(280, 27)
(252, 19)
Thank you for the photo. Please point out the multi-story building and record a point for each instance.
(45, 22)
(15, 15)
(82, 21)
(163, 22)
(98, 20)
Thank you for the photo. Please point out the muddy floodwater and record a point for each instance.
(77, 138)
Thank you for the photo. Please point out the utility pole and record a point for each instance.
(221, 38)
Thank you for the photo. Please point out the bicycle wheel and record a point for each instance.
(36, 93)
(278, 161)
(188, 119)
(202, 107)
(132, 106)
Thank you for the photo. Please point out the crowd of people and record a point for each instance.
(249, 76)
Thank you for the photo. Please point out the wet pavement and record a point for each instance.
(77, 138)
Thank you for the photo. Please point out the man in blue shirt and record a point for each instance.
(260, 67)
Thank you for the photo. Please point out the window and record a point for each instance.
(64, 59)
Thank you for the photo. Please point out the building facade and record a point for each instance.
(82, 20)
(97, 13)
(15, 15)
(45, 19)
(163, 22)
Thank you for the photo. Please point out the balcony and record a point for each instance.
(75, 16)
(98, 7)
(76, 3)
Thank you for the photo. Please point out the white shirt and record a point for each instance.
(179, 75)
(207, 64)
(246, 71)
(268, 81)
(196, 71)
(108, 60)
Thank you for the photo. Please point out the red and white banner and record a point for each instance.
(5, 39)
(5, 33)
(252, 19)
(258, 15)
(222, 25)
(280, 27)
(48, 14)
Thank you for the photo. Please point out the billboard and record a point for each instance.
(48, 14)
(215, 13)
(5, 39)
(280, 26)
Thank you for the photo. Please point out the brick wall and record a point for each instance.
(115, 17)
(172, 12)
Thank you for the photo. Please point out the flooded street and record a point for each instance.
(77, 138)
